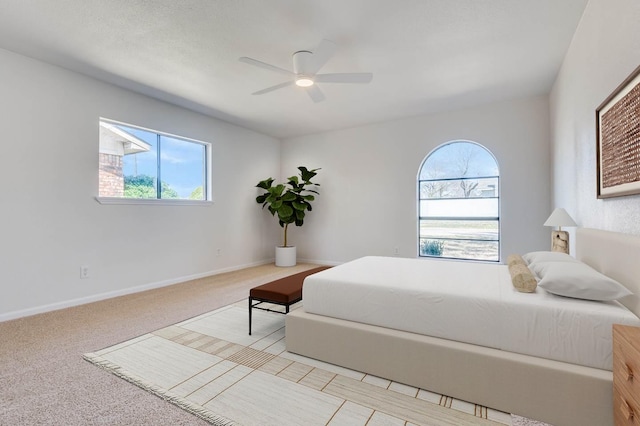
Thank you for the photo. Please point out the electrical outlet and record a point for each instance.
(396, 251)
(219, 252)
(84, 272)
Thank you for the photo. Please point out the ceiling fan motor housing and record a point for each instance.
(302, 61)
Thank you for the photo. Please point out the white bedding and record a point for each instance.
(467, 302)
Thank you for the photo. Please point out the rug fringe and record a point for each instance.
(165, 394)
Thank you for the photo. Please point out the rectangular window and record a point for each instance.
(142, 164)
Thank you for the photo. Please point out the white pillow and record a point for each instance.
(548, 256)
(578, 280)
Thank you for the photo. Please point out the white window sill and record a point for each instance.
(152, 201)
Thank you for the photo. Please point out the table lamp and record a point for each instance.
(560, 238)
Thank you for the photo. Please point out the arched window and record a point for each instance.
(459, 203)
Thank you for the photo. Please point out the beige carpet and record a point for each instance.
(45, 381)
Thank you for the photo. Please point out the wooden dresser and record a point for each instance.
(626, 375)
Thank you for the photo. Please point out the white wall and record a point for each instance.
(51, 223)
(604, 51)
(367, 204)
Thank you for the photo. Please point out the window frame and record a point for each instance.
(421, 218)
(207, 181)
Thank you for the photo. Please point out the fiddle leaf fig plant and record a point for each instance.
(290, 200)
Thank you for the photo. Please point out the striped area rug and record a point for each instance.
(211, 367)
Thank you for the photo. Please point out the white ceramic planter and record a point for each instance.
(286, 256)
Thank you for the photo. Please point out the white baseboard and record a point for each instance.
(123, 292)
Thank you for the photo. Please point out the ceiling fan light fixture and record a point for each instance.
(304, 81)
(306, 65)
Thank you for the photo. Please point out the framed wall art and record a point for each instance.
(618, 140)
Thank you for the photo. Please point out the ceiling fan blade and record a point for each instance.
(321, 55)
(354, 77)
(272, 88)
(264, 65)
(315, 93)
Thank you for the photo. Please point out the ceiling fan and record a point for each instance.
(306, 65)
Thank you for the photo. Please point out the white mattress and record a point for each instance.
(467, 302)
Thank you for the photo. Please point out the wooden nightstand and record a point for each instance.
(626, 375)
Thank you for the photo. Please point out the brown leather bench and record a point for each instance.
(284, 292)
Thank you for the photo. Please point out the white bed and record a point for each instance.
(527, 363)
(467, 302)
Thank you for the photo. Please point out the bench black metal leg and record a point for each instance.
(250, 308)
(259, 301)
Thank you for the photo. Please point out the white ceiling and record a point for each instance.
(426, 56)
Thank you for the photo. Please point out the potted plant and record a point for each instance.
(289, 201)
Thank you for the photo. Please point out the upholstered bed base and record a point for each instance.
(556, 392)
(551, 391)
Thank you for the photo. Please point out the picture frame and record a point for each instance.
(618, 140)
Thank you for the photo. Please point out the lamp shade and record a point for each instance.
(560, 217)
